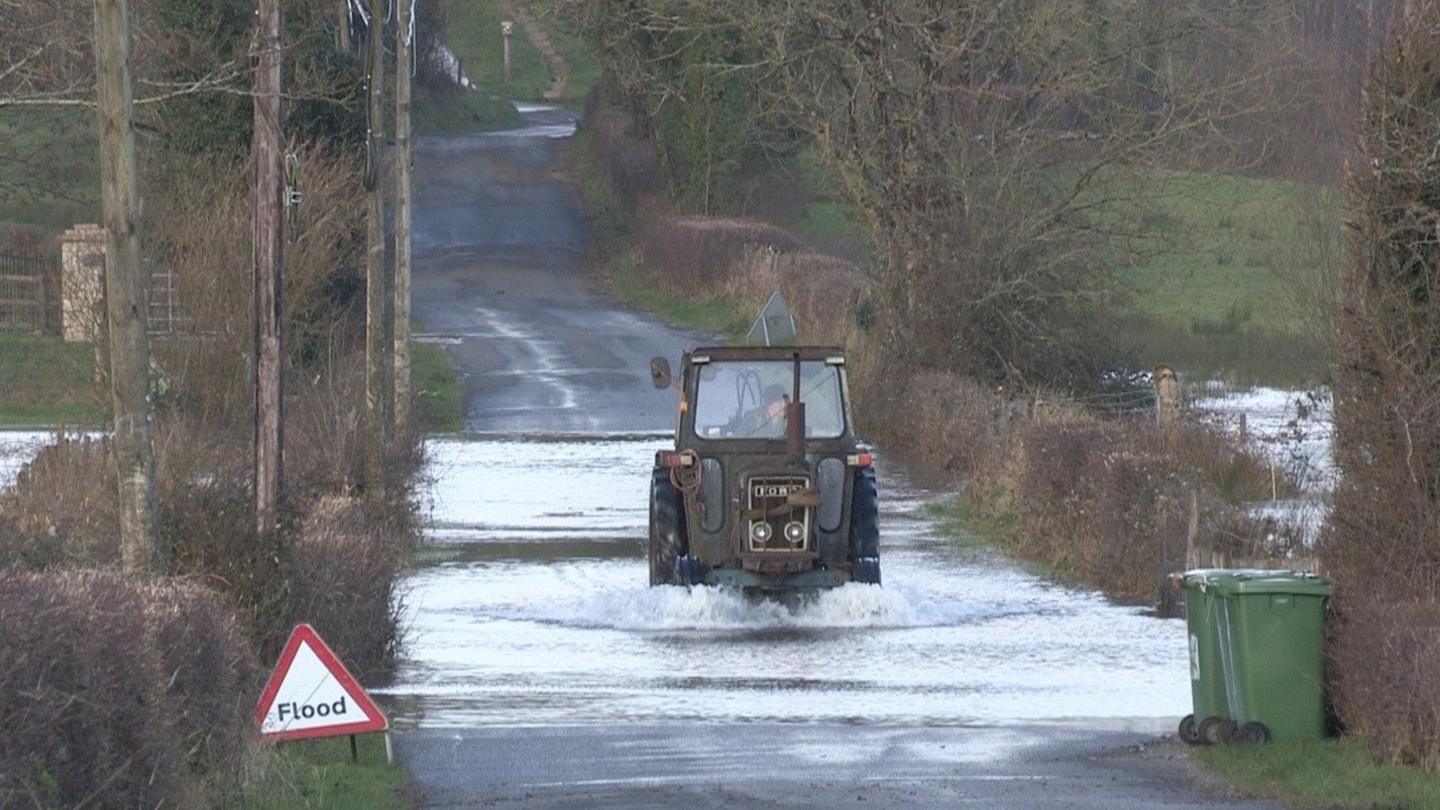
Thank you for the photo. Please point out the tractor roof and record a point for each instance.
(767, 352)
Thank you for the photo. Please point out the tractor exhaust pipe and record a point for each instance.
(795, 422)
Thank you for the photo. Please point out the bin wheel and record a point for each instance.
(1215, 730)
(1252, 733)
(1189, 733)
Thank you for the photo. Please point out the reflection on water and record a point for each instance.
(542, 616)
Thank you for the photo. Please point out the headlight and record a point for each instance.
(760, 531)
(795, 532)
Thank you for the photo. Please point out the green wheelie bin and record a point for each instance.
(1256, 665)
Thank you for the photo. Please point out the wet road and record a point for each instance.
(502, 279)
(540, 671)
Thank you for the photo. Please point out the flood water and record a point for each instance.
(535, 611)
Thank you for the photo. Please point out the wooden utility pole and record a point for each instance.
(403, 52)
(343, 33)
(125, 289)
(378, 364)
(269, 272)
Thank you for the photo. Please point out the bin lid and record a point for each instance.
(1235, 581)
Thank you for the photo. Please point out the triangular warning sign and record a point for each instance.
(311, 694)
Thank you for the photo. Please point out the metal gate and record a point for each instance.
(29, 293)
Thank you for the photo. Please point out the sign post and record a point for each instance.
(311, 694)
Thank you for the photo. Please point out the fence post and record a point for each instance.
(1167, 397)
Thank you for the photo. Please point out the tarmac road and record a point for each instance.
(540, 672)
(502, 279)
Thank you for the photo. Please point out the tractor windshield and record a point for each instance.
(746, 399)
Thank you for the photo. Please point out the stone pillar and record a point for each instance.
(82, 284)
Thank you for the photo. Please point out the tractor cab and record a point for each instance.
(767, 486)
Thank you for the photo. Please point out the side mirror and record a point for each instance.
(660, 372)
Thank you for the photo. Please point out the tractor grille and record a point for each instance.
(771, 521)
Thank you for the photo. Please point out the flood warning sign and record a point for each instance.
(311, 694)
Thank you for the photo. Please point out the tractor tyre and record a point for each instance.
(667, 528)
(864, 516)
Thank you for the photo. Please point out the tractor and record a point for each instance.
(767, 488)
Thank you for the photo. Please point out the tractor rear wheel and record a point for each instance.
(667, 528)
(865, 527)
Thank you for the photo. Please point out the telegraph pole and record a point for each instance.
(125, 288)
(343, 32)
(378, 364)
(403, 50)
(269, 272)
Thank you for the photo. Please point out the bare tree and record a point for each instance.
(999, 153)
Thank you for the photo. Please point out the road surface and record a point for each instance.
(539, 671)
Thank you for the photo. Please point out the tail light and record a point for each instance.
(860, 460)
(671, 459)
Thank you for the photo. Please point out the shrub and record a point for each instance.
(64, 507)
(336, 569)
(1385, 675)
(116, 688)
(697, 253)
(346, 558)
(1382, 542)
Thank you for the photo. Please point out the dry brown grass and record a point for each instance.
(203, 236)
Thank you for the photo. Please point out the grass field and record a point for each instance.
(585, 70)
(45, 382)
(475, 38)
(1322, 774)
(1225, 277)
(49, 173)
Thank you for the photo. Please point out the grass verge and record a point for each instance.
(959, 520)
(437, 388)
(705, 314)
(459, 111)
(1322, 773)
(318, 774)
(612, 232)
(46, 382)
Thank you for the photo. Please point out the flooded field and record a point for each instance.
(1294, 431)
(536, 612)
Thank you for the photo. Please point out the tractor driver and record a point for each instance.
(769, 415)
